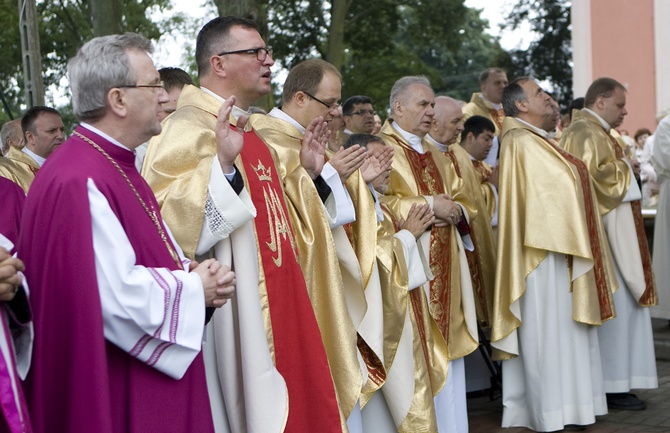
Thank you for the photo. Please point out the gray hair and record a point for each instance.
(100, 65)
(513, 93)
(402, 84)
(11, 129)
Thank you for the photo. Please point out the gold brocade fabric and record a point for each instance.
(414, 175)
(397, 307)
(588, 140)
(318, 258)
(543, 207)
(482, 260)
(483, 171)
(479, 107)
(178, 168)
(19, 168)
(603, 152)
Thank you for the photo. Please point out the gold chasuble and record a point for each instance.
(482, 260)
(333, 280)
(484, 171)
(547, 203)
(417, 415)
(604, 156)
(478, 106)
(177, 166)
(19, 168)
(415, 178)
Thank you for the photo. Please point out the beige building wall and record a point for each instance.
(619, 39)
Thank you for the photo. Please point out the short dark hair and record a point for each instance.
(306, 77)
(28, 120)
(362, 140)
(512, 93)
(485, 75)
(640, 132)
(576, 104)
(213, 38)
(477, 125)
(174, 78)
(604, 87)
(348, 106)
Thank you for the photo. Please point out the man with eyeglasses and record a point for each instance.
(339, 267)
(119, 311)
(359, 116)
(220, 189)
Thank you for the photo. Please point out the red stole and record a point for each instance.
(590, 206)
(649, 297)
(300, 356)
(429, 182)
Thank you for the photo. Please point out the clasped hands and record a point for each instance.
(10, 278)
(447, 212)
(218, 281)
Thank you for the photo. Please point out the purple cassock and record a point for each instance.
(13, 409)
(79, 381)
(12, 198)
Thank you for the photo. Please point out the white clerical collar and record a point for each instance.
(442, 147)
(237, 111)
(493, 104)
(602, 121)
(279, 114)
(413, 140)
(105, 136)
(348, 132)
(539, 131)
(38, 159)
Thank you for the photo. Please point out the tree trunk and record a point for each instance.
(106, 17)
(338, 14)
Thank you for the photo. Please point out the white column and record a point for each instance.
(661, 50)
(582, 47)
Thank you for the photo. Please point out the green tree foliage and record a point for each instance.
(387, 39)
(65, 25)
(549, 55)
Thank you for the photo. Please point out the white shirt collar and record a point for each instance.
(237, 111)
(105, 136)
(600, 119)
(279, 114)
(413, 140)
(442, 147)
(348, 132)
(38, 159)
(539, 131)
(493, 104)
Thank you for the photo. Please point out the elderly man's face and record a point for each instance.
(144, 103)
(448, 121)
(413, 109)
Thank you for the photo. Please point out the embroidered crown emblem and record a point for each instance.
(262, 172)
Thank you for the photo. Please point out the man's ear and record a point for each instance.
(117, 102)
(217, 66)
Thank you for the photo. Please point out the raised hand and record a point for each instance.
(419, 218)
(347, 161)
(377, 164)
(229, 142)
(313, 148)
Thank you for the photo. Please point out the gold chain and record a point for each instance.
(152, 215)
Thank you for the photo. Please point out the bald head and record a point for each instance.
(12, 135)
(448, 120)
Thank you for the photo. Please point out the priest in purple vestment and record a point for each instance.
(119, 313)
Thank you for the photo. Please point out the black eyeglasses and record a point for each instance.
(159, 85)
(364, 112)
(261, 53)
(332, 106)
